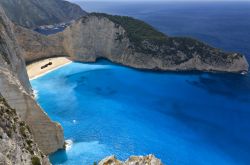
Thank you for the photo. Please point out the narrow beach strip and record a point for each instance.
(43, 67)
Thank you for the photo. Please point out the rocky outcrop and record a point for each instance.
(17, 146)
(38, 46)
(33, 13)
(133, 43)
(133, 160)
(16, 89)
(129, 42)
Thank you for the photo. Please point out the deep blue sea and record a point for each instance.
(182, 118)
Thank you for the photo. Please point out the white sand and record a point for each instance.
(34, 70)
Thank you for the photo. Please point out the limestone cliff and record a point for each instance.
(129, 42)
(133, 160)
(17, 146)
(16, 89)
(38, 46)
(33, 13)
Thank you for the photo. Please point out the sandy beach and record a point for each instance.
(34, 70)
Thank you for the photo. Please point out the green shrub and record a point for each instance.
(22, 123)
(137, 30)
(29, 142)
(9, 133)
(30, 149)
(22, 131)
(35, 160)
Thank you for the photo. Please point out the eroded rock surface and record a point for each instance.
(16, 89)
(38, 46)
(133, 160)
(17, 146)
(129, 42)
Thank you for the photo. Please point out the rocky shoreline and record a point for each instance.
(132, 160)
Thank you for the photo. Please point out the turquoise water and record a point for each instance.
(183, 119)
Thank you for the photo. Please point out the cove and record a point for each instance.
(182, 118)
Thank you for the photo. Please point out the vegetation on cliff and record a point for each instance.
(16, 141)
(136, 30)
(148, 40)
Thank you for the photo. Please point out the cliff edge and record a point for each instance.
(16, 89)
(17, 145)
(129, 42)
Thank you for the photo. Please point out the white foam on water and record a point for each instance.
(86, 152)
(35, 93)
(69, 144)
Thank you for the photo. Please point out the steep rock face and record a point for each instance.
(92, 37)
(17, 145)
(11, 59)
(39, 46)
(33, 13)
(16, 89)
(133, 160)
(132, 43)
